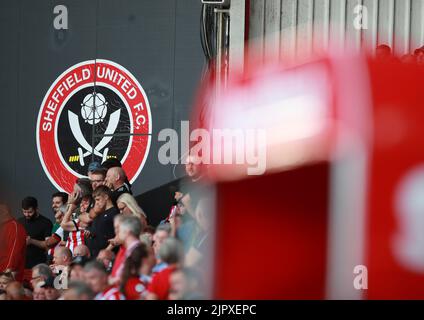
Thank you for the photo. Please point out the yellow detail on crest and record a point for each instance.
(74, 158)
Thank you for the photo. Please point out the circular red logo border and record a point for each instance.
(79, 75)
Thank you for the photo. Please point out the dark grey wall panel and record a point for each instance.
(9, 35)
(44, 54)
(139, 35)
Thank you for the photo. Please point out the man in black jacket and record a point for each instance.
(101, 228)
(37, 227)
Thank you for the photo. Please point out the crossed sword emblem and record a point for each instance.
(76, 131)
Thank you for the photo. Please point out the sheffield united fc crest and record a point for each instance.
(94, 111)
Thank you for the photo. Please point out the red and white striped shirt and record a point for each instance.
(111, 293)
(75, 238)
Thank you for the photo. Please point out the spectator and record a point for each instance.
(192, 189)
(55, 240)
(82, 251)
(6, 277)
(81, 199)
(115, 180)
(40, 273)
(175, 223)
(97, 176)
(171, 252)
(115, 242)
(193, 185)
(183, 227)
(185, 284)
(50, 292)
(130, 228)
(150, 229)
(101, 228)
(97, 278)
(38, 228)
(76, 268)
(147, 266)
(15, 291)
(419, 55)
(146, 238)
(147, 235)
(161, 234)
(200, 246)
(127, 204)
(76, 227)
(106, 257)
(62, 257)
(132, 285)
(194, 168)
(113, 163)
(93, 166)
(58, 236)
(28, 291)
(83, 204)
(86, 202)
(175, 208)
(383, 52)
(78, 290)
(12, 244)
(62, 260)
(83, 188)
(59, 199)
(39, 293)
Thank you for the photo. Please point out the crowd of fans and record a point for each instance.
(384, 52)
(101, 245)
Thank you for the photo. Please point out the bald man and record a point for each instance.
(82, 251)
(106, 257)
(12, 243)
(62, 257)
(116, 181)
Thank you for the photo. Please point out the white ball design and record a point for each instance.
(94, 108)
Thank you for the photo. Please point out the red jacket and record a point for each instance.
(13, 247)
(160, 283)
(119, 261)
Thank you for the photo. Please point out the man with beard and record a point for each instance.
(58, 235)
(38, 228)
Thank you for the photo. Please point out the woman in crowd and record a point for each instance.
(133, 285)
(6, 278)
(127, 204)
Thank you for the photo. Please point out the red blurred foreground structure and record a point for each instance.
(343, 192)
